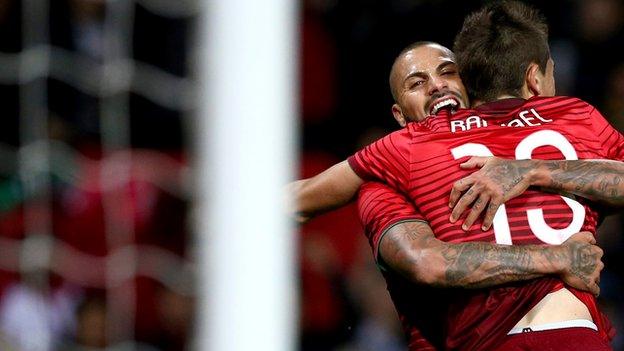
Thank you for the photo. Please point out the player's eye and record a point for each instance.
(417, 83)
(449, 72)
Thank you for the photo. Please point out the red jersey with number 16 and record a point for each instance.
(422, 161)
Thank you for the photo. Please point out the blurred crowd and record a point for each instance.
(94, 245)
(114, 263)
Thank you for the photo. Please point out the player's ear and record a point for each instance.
(398, 115)
(533, 80)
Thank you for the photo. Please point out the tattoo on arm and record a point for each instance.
(509, 174)
(476, 265)
(599, 180)
(583, 264)
(411, 249)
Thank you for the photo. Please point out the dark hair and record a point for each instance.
(410, 47)
(496, 45)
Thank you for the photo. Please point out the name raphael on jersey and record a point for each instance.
(526, 118)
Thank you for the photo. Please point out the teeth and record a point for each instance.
(443, 103)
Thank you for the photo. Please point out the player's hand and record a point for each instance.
(497, 181)
(585, 262)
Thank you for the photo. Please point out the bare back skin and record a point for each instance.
(558, 306)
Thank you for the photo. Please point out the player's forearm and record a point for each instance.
(598, 180)
(481, 265)
(312, 197)
(328, 190)
(412, 250)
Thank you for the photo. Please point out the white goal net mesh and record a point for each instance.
(97, 99)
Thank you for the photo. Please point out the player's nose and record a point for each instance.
(436, 84)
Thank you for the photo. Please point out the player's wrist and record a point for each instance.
(562, 259)
(558, 259)
(539, 174)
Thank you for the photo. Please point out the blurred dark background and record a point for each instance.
(117, 96)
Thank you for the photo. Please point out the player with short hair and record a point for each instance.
(398, 152)
(387, 215)
(545, 128)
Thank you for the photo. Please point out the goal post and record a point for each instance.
(245, 146)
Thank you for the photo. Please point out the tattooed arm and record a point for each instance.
(411, 249)
(499, 180)
(598, 180)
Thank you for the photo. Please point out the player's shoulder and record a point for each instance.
(404, 134)
(559, 102)
(395, 138)
(427, 125)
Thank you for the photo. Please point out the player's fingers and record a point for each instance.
(600, 267)
(463, 203)
(490, 213)
(600, 252)
(475, 161)
(594, 289)
(590, 238)
(584, 237)
(477, 207)
(458, 188)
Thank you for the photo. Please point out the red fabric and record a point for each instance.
(381, 207)
(423, 159)
(566, 339)
(479, 320)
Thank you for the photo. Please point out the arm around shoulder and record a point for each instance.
(331, 189)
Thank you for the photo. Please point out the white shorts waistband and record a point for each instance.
(573, 323)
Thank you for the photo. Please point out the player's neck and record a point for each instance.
(476, 103)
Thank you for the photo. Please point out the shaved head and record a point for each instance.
(395, 76)
(423, 80)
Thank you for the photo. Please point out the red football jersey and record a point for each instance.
(422, 160)
(381, 207)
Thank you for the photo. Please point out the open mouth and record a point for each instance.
(449, 103)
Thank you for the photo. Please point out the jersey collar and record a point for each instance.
(500, 105)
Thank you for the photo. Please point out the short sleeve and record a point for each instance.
(381, 207)
(610, 141)
(386, 160)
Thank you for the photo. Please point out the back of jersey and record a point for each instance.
(540, 128)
